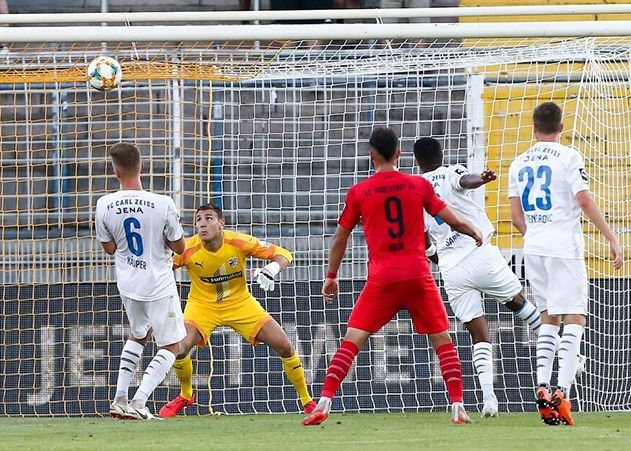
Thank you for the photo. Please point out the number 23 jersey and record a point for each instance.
(140, 222)
(546, 179)
(391, 206)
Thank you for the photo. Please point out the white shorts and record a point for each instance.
(483, 271)
(559, 285)
(163, 315)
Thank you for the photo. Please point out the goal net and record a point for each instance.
(275, 132)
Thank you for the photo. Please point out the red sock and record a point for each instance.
(338, 368)
(451, 370)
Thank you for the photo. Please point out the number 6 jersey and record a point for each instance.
(140, 222)
(546, 179)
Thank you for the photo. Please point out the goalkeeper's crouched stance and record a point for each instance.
(219, 296)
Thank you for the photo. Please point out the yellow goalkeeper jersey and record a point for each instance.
(218, 277)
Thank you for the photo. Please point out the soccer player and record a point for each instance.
(469, 271)
(391, 206)
(141, 229)
(219, 296)
(547, 187)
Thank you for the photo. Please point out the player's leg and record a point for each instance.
(574, 311)
(462, 284)
(131, 354)
(451, 369)
(483, 364)
(183, 369)
(336, 373)
(525, 311)
(199, 321)
(429, 317)
(375, 307)
(540, 281)
(275, 337)
(168, 328)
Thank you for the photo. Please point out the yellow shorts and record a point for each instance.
(246, 317)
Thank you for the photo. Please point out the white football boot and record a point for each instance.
(458, 414)
(490, 408)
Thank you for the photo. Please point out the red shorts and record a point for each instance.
(378, 304)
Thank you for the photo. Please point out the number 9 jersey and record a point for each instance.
(546, 179)
(391, 206)
(139, 222)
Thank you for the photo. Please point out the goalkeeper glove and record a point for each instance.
(265, 276)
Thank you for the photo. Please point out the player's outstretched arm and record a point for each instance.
(473, 181)
(330, 288)
(459, 224)
(265, 276)
(586, 202)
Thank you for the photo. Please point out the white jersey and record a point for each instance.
(453, 246)
(140, 222)
(546, 178)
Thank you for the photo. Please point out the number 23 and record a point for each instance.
(544, 174)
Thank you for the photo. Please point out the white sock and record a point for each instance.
(132, 352)
(154, 374)
(528, 313)
(546, 350)
(483, 363)
(568, 355)
(324, 404)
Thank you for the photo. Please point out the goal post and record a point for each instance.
(271, 123)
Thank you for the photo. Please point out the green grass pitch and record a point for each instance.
(396, 431)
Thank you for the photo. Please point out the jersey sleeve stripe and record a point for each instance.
(186, 255)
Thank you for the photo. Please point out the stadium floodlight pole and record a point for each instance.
(317, 31)
(238, 16)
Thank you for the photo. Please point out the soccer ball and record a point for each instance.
(104, 73)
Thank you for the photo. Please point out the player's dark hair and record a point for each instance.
(212, 207)
(385, 141)
(547, 117)
(428, 152)
(126, 157)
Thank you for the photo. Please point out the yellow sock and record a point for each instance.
(296, 375)
(184, 371)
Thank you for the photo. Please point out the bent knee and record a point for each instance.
(285, 349)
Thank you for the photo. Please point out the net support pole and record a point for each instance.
(315, 31)
(475, 131)
(176, 144)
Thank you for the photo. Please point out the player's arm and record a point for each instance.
(430, 249)
(517, 214)
(280, 258)
(102, 232)
(173, 232)
(459, 224)
(330, 288)
(473, 181)
(586, 202)
(109, 247)
(177, 246)
(282, 261)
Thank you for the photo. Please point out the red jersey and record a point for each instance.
(391, 206)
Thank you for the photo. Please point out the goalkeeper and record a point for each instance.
(219, 296)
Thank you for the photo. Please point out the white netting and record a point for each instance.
(276, 134)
